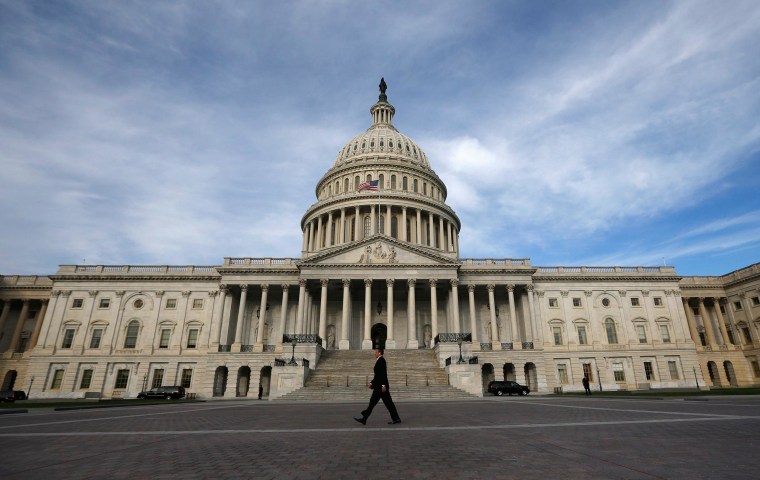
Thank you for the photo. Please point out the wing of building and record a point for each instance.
(379, 265)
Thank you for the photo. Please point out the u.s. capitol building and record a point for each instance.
(379, 264)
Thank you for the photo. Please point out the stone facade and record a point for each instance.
(379, 264)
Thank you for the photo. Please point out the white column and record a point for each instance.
(707, 323)
(301, 305)
(311, 236)
(323, 312)
(219, 316)
(404, 234)
(441, 241)
(388, 221)
(516, 344)
(342, 229)
(373, 220)
(455, 303)
(19, 326)
(473, 320)
(495, 341)
(450, 243)
(367, 342)
(411, 343)
(38, 323)
(241, 316)
(721, 321)
(418, 232)
(262, 318)
(305, 243)
(319, 242)
(433, 312)
(390, 343)
(283, 317)
(344, 343)
(691, 321)
(329, 240)
(357, 235)
(532, 316)
(431, 232)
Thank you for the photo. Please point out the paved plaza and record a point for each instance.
(507, 437)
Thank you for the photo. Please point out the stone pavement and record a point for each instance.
(505, 437)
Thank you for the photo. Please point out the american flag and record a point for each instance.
(369, 185)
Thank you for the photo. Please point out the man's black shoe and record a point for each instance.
(393, 422)
(363, 421)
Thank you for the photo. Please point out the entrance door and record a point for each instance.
(379, 334)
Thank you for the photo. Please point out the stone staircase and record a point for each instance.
(342, 375)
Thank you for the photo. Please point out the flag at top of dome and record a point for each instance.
(369, 185)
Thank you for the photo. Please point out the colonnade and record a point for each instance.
(347, 224)
(16, 345)
(718, 338)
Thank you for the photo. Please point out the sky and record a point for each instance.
(567, 132)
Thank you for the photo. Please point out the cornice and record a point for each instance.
(376, 162)
(332, 251)
(614, 278)
(132, 278)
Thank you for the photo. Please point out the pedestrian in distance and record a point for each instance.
(380, 391)
(586, 385)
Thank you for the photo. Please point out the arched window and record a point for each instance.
(381, 185)
(369, 177)
(424, 188)
(405, 184)
(367, 226)
(130, 340)
(345, 185)
(393, 182)
(356, 182)
(382, 224)
(415, 186)
(337, 187)
(609, 325)
(394, 227)
(329, 191)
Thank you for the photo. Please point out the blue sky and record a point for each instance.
(572, 133)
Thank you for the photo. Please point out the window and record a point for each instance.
(657, 301)
(737, 306)
(192, 338)
(562, 373)
(97, 335)
(582, 335)
(367, 226)
(641, 332)
(673, 369)
(345, 185)
(634, 301)
(122, 378)
(86, 379)
(68, 338)
(381, 181)
(722, 309)
(394, 227)
(356, 178)
(165, 335)
(138, 304)
(606, 302)
(198, 302)
(77, 303)
(187, 377)
(130, 340)
(648, 371)
(105, 303)
(588, 372)
(57, 380)
(393, 182)
(577, 302)
(755, 301)
(405, 184)
(557, 335)
(747, 336)
(609, 326)
(158, 378)
(414, 183)
(171, 303)
(755, 368)
(617, 370)
(665, 333)
(382, 224)
(553, 302)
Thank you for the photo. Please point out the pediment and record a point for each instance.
(378, 250)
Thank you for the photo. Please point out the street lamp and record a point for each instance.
(599, 378)
(459, 342)
(293, 355)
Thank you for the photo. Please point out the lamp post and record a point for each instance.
(293, 342)
(30, 388)
(599, 378)
(459, 342)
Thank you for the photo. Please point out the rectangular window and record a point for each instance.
(192, 338)
(665, 333)
(77, 303)
(588, 372)
(553, 302)
(158, 378)
(86, 379)
(105, 303)
(562, 373)
(747, 336)
(165, 335)
(641, 332)
(557, 335)
(57, 380)
(673, 369)
(97, 335)
(577, 302)
(617, 370)
(634, 301)
(755, 301)
(722, 309)
(197, 303)
(122, 378)
(657, 301)
(187, 377)
(648, 371)
(702, 339)
(171, 303)
(737, 306)
(68, 338)
(755, 368)
(582, 335)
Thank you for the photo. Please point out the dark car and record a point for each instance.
(170, 393)
(7, 396)
(507, 386)
(19, 395)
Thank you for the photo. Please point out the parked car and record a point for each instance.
(7, 396)
(19, 395)
(508, 386)
(172, 392)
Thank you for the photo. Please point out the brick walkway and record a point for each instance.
(526, 437)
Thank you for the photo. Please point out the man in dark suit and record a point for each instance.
(380, 391)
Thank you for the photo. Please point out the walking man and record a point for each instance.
(586, 386)
(380, 391)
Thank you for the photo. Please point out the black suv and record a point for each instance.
(169, 393)
(508, 386)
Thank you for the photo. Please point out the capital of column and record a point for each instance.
(243, 288)
(324, 282)
(159, 293)
(564, 293)
(454, 282)
(491, 287)
(93, 293)
(66, 293)
(588, 293)
(510, 287)
(54, 293)
(367, 282)
(346, 282)
(540, 293)
(285, 286)
(433, 282)
(701, 300)
(645, 293)
(470, 287)
(302, 282)
(622, 293)
(119, 293)
(530, 287)
(716, 300)
(213, 293)
(411, 282)
(186, 293)
(389, 282)
(264, 287)
(223, 288)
